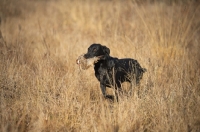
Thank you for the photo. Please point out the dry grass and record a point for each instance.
(42, 89)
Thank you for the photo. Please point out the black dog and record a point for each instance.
(110, 71)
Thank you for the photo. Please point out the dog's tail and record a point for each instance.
(144, 70)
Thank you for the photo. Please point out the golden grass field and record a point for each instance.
(42, 88)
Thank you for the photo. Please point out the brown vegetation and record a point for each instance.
(42, 89)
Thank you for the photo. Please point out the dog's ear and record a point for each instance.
(106, 50)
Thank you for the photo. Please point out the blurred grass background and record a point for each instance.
(42, 89)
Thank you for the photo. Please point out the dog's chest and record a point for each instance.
(102, 72)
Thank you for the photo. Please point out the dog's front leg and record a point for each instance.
(103, 89)
(102, 83)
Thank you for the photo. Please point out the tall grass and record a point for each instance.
(42, 89)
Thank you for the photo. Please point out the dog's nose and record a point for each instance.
(86, 56)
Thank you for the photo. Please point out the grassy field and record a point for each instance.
(42, 88)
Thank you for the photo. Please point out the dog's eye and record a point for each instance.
(94, 50)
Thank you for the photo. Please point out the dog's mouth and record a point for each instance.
(86, 63)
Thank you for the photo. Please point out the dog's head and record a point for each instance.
(97, 50)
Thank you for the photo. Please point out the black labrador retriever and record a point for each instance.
(111, 72)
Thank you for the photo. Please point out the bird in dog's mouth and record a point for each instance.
(86, 63)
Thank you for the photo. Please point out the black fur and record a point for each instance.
(110, 71)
